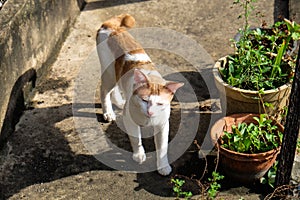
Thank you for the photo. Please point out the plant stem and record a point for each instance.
(246, 15)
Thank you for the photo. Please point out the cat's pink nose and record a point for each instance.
(150, 113)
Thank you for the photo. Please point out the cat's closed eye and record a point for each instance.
(145, 99)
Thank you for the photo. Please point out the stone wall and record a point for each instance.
(295, 10)
(32, 32)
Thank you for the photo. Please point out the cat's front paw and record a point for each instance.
(109, 116)
(139, 157)
(165, 171)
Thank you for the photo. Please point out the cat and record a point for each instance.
(131, 81)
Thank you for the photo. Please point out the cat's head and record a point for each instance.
(152, 94)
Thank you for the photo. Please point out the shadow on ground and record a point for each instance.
(45, 147)
(109, 3)
(38, 152)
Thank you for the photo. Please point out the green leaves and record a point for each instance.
(261, 58)
(253, 138)
(177, 189)
(214, 185)
(270, 177)
(293, 32)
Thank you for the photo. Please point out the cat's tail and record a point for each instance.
(126, 20)
(114, 25)
(120, 21)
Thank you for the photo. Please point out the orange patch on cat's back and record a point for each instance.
(128, 52)
(122, 66)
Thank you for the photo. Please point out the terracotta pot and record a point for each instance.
(242, 167)
(236, 100)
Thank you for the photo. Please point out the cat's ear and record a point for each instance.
(139, 77)
(173, 86)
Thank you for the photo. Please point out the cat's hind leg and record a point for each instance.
(108, 81)
(117, 98)
(107, 86)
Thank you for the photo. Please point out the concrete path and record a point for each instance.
(46, 159)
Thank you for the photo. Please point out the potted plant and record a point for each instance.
(247, 144)
(259, 72)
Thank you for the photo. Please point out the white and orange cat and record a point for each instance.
(128, 73)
